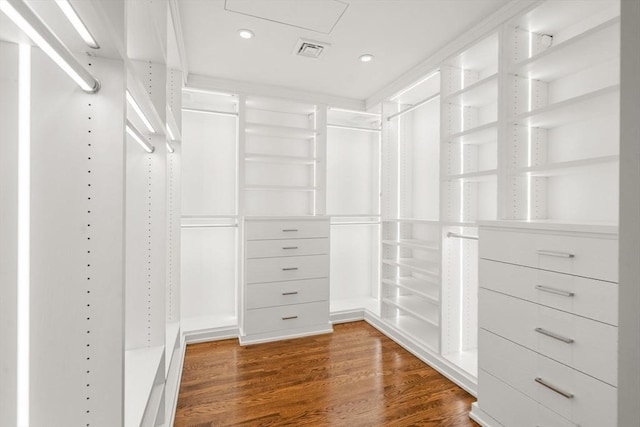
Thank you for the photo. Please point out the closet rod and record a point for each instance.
(461, 236)
(329, 125)
(209, 225)
(219, 113)
(413, 107)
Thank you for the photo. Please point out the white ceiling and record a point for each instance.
(400, 33)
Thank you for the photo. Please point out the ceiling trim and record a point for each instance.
(478, 31)
(198, 81)
(174, 11)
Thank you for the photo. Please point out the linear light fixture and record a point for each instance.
(219, 113)
(416, 84)
(207, 91)
(136, 107)
(169, 133)
(139, 138)
(170, 148)
(77, 23)
(27, 20)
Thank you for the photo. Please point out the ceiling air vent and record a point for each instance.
(310, 48)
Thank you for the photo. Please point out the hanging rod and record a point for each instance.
(219, 113)
(413, 107)
(329, 125)
(461, 236)
(208, 225)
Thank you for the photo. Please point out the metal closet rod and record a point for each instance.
(461, 236)
(27, 20)
(413, 107)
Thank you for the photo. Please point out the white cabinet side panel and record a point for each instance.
(77, 194)
(8, 229)
(353, 265)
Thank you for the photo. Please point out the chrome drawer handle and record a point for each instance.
(554, 336)
(287, 230)
(290, 293)
(290, 247)
(554, 291)
(289, 317)
(555, 253)
(290, 269)
(554, 388)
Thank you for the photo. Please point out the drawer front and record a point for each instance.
(590, 298)
(592, 346)
(582, 256)
(578, 397)
(286, 247)
(261, 295)
(260, 270)
(512, 408)
(261, 230)
(286, 317)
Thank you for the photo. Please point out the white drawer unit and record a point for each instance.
(286, 278)
(548, 315)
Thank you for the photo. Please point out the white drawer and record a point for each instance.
(578, 397)
(286, 293)
(262, 230)
(285, 317)
(512, 408)
(286, 247)
(593, 346)
(582, 256)
(260, 270)
(590, 298)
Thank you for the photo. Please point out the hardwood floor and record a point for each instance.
(353, 377)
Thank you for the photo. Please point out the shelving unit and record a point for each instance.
(561, 138)
(281, 152)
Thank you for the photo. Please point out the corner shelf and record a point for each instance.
(419, 266)
(423, 288)
(417, 307)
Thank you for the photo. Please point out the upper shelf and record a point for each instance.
(591, 47)
(483, 134)
(270, 158)
(280, 131)
(482, 92)
(597, 103)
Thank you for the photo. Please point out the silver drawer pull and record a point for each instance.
(554, 291)
(290, 247)
(290, 293)
(289, 317)
(554, 388)
(554, 336)
(555, 253)
(289, 230)
(289, 268)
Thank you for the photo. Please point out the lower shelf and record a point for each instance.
(420, 331)
(141, 373)
(465, 360)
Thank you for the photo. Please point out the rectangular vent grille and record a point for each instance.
(309, 49)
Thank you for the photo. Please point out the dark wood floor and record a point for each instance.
(353, 377)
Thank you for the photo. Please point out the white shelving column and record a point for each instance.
(469, 160)
(210, 208)
(353, 202)
(562, 113)
(410, 270)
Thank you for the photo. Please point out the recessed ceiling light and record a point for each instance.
(367, 57)
(246, 34)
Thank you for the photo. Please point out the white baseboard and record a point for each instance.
(481, 417)
(347, 316)
(211, 334)
(293, 333)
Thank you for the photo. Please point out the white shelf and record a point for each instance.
(484, 134)
(277, 188)
(480, 93)
(414, 244)
(141, 369)
(415, 329)
(480, 176)
(423, 288)
(597, 103)
(279, 131)
(591, 47)
(466, 360)
(417, 265)
(172, 339)
(270, 158)
(562, 168)
(417, 307)
(412, 220)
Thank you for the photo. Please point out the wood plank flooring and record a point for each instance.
(353, 377)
